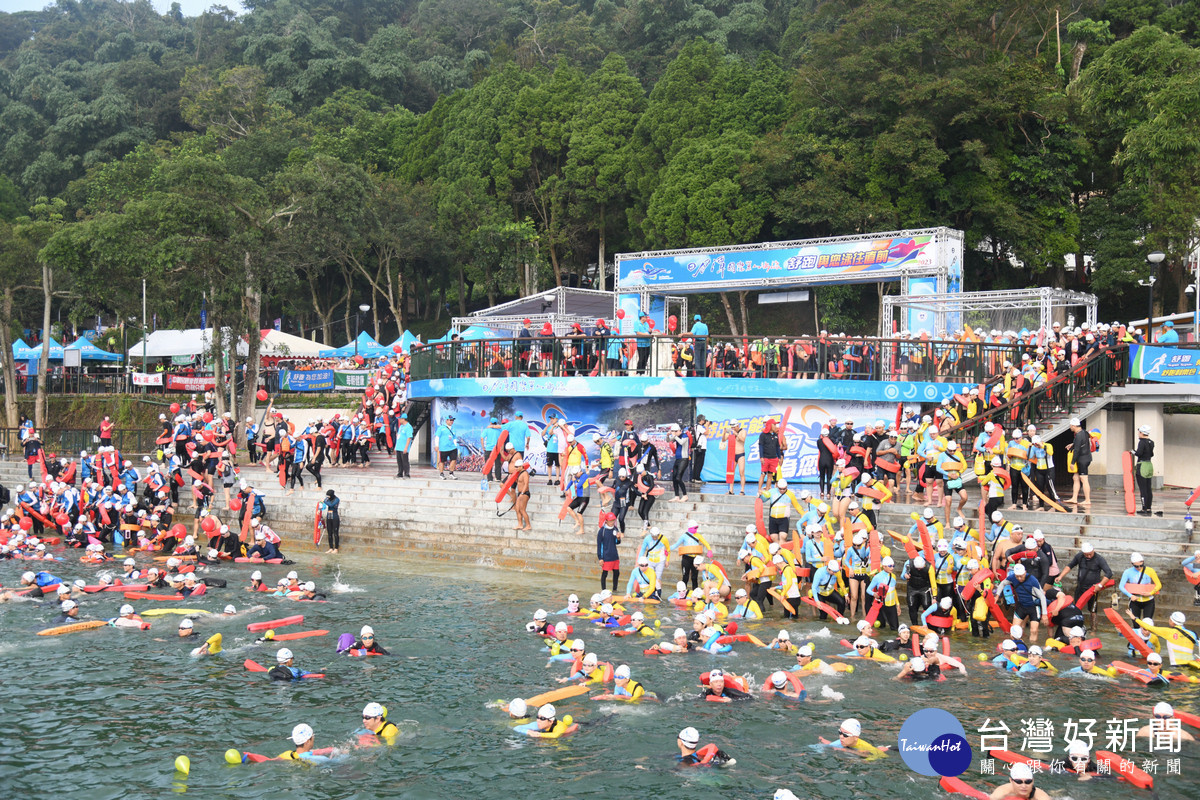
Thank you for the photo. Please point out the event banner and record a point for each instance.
(183, 383)
(850, 259)
(671, 386)
(584, 417)
(351, 381)
(803, 431)
(311, 380)
(1165, 364)
(147, 379)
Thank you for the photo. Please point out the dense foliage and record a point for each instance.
(431, 156)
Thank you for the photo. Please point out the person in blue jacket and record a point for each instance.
(447, 448)
(402, 438)
(518, 433)
(700, 335)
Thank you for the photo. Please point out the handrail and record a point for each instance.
(1080, 369)
(848, 358)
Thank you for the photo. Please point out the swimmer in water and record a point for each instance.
(547, 725)
(850, 739)
(557, 641)
(680, 644)
(708, 756)
(126, 618)
(539, 624)
(1036, 663)
(744, 607)
(572, 605)
(375, 723)
(902, 643)
(186, 629)
(517, 710)
(304, 739)
(782, 641)
(69, 613)
(917, 670)
(1020, 785)
(256, 583)
(366, 641)
(284, 670)
(782, 686)
(625, 688)
(1079, 760)
(1157, 727)
(719, 691)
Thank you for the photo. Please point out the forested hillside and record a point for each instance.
(431, 157)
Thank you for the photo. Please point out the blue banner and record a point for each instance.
(312, 380)
(855, 260)
(802, 435)
(1164, 364)
(671, 386)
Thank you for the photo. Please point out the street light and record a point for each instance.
(364, 308)
(1154, 259)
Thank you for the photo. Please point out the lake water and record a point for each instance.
(107, 711)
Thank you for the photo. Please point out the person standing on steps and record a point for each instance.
(333, 521)
(403, 441)
(447, 446)
(681, 468)
(1144, 469)
(736, 438)
(1081, 453)
(700, 450)
(700, 335)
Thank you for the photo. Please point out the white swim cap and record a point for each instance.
(852, 727)
(129, 562)
(547, 712)
(778, 680)
(67, 605)
(1177, 618)
(622, 672)
(1021, 772)
(292, 576)
(1080, 748)
(367, 630)
(126, 610)
(283, 655)
(302, 733)
(376, 710)
(690, 737)
(590, 660)
(678, 632)
(185, 625)
(1164, 709)
(256, 576)
(230, 609)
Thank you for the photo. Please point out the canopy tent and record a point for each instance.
(89, 351)
(189, 342)
(35, 353)
(367, 347)
(473, 333)
(561, 307)
(406, 340)
(17, 346)
(277, 344)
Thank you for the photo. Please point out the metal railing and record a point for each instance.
(1059, 396)
(851, 358)
(69, 442)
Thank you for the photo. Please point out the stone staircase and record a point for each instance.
(453, 520)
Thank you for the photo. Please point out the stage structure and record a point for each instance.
(561, 307)
(1008, 310)
(926, 262)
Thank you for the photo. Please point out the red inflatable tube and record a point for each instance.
(274, 623)
(512, 478)
(287, 637)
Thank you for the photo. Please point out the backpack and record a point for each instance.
(5, 495)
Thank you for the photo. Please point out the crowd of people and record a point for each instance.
(969, 355)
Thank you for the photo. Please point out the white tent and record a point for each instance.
(190, 342)
(277, 344)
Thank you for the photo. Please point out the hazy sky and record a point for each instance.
(190, 7)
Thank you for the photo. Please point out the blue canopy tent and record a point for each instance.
(17, 346)
(35, 353)
(473, 333)
(367, 348)
(406, 341)
(89, 351)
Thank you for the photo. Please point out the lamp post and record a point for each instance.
(1154, 259)
(364, 308)
(1194, 289)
